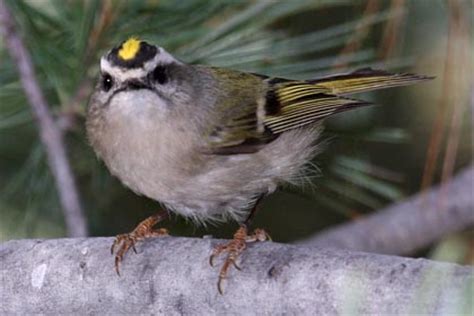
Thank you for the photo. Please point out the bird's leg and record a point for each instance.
(143, 230)
(236, 246)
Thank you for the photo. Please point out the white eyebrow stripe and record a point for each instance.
(118, 72)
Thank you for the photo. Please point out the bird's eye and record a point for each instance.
(159, 75)
(107, 82)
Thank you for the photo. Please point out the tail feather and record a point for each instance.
(366, 79)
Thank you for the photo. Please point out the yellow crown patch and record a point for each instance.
(129, 49)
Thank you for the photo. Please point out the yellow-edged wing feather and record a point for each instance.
(305, 110)
(298, 103)
(260, 116)
(366, 79)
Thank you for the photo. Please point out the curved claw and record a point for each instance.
(117, 241)
(219, 286)
(236, 265)
(117, 265)
(216, 252)
(124, 243)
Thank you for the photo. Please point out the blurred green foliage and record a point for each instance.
(374, 155)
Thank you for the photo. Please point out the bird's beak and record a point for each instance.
(135, 84)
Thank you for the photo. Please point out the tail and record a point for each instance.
(366, 79)
(291, 104)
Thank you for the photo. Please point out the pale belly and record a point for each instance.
(167, 167)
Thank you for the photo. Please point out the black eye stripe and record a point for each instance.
(107, 82)
(159, 75)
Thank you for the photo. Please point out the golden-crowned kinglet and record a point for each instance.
(208, 142)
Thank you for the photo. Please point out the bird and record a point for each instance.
(210, 143)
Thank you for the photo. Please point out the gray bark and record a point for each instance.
(172, 276)
(409, 225)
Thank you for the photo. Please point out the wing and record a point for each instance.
(238, 114)
(295, 104)
(280, 105)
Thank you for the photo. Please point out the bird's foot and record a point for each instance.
(234, 248)
(144, 230)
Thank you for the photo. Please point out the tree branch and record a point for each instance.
(410, 225)
(172, 276)
(50, 134)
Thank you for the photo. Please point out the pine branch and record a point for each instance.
(409, 225)
(50, 133)
(172, 276)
